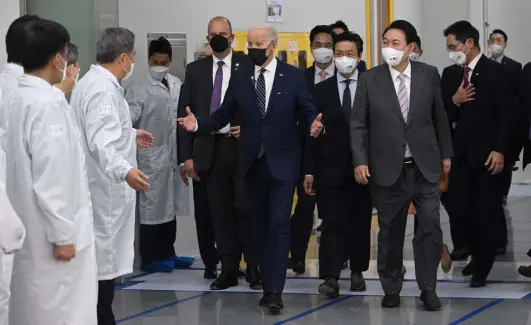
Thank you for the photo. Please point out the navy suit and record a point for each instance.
(269, 181)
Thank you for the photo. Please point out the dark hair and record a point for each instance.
(321, 29)
(42, 40)
(501, 32)
(339, 24)
(463, 30)
(160, 45)
(419, 42)
(73, 54)
(405, 26)
(14, 37)
(350, 37)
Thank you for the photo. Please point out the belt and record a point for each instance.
(409, 161)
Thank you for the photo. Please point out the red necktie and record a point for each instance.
(466, 77)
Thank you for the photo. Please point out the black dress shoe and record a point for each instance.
(430, 300)
(210, 274)
(264, 300)
(478, 282)
(501, 251)
(254, 278)
(298, 267)
(460, 254)
(525, 271)
(391, 301)
(329, 288)
(470, 268)
(345, 265)
(357, 282)
(225, 280)
(275, 303)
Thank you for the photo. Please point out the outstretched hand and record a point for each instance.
(317, 126)
(189, 122)
(144, 139)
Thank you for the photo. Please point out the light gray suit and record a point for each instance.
(379, 136)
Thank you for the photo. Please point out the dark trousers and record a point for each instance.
(302, 224)
(392, 204)
(205, 231)
(269, 204)
(506, 179)
(346, 229)
(223, 190)
(445, 204)
(478, 196)
(156, 241)
(105, 299)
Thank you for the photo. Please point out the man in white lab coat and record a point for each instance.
(54, 273)
(153, 102)
(110, 146)
(73, 69)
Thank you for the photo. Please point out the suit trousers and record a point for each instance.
(231, 226)
(478, 194)
(504, 218)
(156, 241)
(346, 229)
(205, 231)
(269, 203)
(302, 224)
(392, 204)
(105, 299)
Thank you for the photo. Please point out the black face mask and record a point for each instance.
(258, 56)
(219, 43)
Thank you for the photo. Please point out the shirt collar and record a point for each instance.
(331, 69)
(473, 63)
(354, 77)
(271, 67)
(32, 81)
(395, 73)
(101, 70)
(13, 68)
(500, 58)
(227, 60)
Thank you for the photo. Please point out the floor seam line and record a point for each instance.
(476, 312)
(313, 310)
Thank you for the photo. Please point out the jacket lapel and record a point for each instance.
(278, 84)
(385, 80)
(477, 69)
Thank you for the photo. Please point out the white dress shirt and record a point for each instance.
(226, 68)
(353, 85)
(396, 82)
(472, 65)
(330, 72)
(269, 76)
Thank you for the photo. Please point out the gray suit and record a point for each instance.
(379, 136)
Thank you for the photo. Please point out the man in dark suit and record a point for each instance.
(268, 96)
(400, 138)
(481, 108)
(211, 160)
(340, 27)
(328, 164)
(497, 45)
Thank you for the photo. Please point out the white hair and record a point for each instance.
(273, 34)
(201, 46)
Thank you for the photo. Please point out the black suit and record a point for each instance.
(217, 196)
(482, 127)
(525, 105)
(346, 203)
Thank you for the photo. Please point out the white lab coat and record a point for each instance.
(154, 109)
(109, 141)
(48, 187)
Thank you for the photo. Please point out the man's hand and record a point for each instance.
(446, 165)
(317, 126)
(308, 185)
(495, 162)
(137, 180)
(464, 95)
(64, 253)
(188, 123)
(361, 173)
(235, 131)
(184, 177)
(190, 171)
(144, 139)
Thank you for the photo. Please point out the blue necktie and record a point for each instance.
(215, 102)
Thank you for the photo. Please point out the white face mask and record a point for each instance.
(345, 64)
(63, 78)
(392, 57)
(414, 56)
(158, 72)
(496, 50)
(129, 73)
(323, 55)
(457, 57)
(77, 76)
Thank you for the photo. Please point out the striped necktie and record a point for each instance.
(261, 102)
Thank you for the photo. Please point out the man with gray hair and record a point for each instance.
(109, 142)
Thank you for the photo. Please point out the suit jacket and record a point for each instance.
(482, 126)
(525, 102)
(197, 93)
(379, 133)
(309, 73)
(329, 157)
(278, 130)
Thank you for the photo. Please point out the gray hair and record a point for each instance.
(72, 55)
(273, 34)
(114, 42)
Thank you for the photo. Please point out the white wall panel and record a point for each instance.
(9, 11)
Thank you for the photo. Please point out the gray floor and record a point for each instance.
(182, 297)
